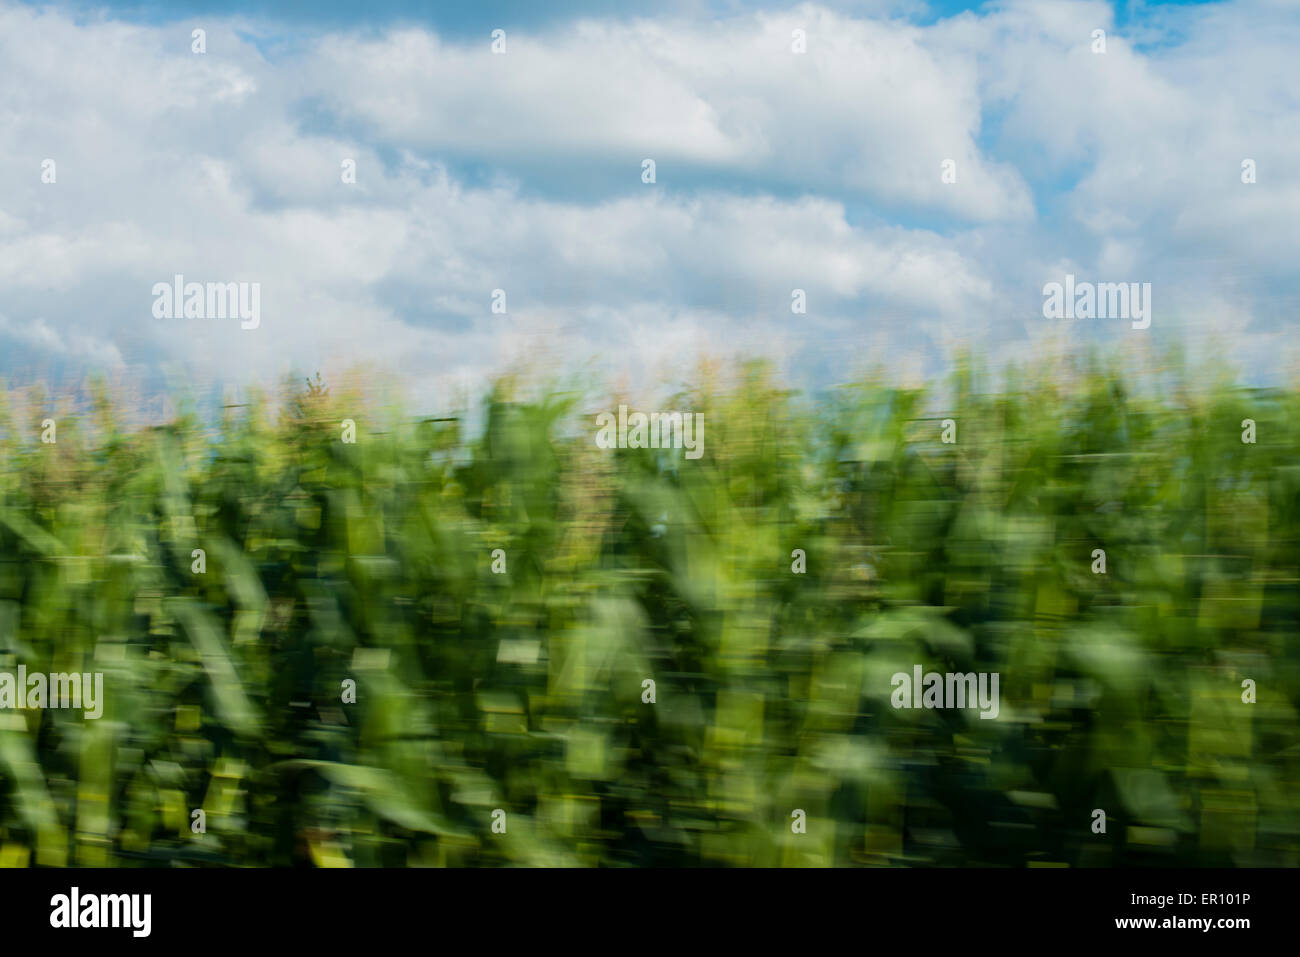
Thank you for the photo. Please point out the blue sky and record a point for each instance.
(470, 18)
(521, 171)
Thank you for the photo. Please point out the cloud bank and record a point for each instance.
(521, 171)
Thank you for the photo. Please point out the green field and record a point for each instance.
(371, 562)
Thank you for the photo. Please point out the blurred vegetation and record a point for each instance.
(522, 691)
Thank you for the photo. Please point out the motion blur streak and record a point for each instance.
(505, 645)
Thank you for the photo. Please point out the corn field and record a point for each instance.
(500, 645)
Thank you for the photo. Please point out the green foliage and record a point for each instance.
(523, 691)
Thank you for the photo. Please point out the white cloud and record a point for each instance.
(776, 171)
(867, 110)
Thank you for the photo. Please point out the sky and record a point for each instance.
(522, 171)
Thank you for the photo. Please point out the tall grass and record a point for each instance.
(523, 691)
